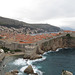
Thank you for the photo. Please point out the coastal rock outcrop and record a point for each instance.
(29, 70)
(59, 42)
(32, 57)
(14, 72)
(33, 51)
(8, 73)
(35, 57)
(66, 73)
(34, 74)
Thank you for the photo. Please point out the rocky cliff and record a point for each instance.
(51, 44)
(33, 50)
(60, 42)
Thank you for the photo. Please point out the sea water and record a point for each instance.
(51, 63)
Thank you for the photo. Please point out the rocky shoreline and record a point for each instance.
(34, 50)
(44, 46)
(66, 72)
(50, 44)
(29, 70)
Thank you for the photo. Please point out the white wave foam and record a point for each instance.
(30, 62)
(58, 49)
(52, 51)
(41, 59)
(34, 68)
(20, 74)
(66, 47)
(20, 61)
(23, 68)
(26, 62)
(39, 72)
(47, 52)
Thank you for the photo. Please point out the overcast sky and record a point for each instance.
(55, 12)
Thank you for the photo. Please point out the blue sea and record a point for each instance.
(51, 63)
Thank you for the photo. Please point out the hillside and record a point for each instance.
(26, 27)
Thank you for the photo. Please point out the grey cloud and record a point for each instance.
(40, 11)
(47, 9)
(70, 24)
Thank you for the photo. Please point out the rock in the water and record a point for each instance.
(9, 73)
(66, 73)
(26, 56)
(29, 70)
(35, 57)
(34, 74)
(14, 72)
(32, 57)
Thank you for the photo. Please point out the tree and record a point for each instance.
(0, 37)
(68, 35)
